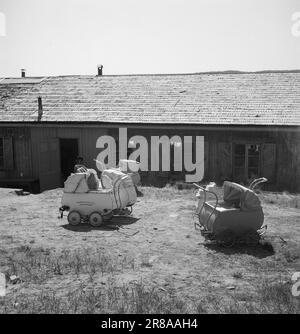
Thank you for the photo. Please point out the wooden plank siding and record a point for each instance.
(288, 161)
(86, 141)
(219, 153)
(19, 154)
(218, 149)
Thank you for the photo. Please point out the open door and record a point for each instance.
(49, 164)
(68, 155)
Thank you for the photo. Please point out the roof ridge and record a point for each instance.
(158, 74)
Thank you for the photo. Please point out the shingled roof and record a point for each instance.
(265, 98)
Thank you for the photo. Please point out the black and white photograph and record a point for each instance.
(149, 159)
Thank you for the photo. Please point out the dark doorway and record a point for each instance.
(68, 154)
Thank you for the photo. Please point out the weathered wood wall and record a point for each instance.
(280, 153)
(288, 161)
(17, 153)
(218, 150)
(87, 138)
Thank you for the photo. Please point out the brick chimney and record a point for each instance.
(100, 67)
(23, 72)
(40, 109)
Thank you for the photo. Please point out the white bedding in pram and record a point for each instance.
(112, 180)
(76, 183)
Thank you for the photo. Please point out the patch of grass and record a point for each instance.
(284, 199)
(138, 298)
(275, 297)
(89, 295)
(269, 298)
(37, 265)
(167, 193)
(291, 253)
(237, 275)
(128, 279)
(146, 263)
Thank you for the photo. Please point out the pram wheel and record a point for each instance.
(74, 218)
(95, 219)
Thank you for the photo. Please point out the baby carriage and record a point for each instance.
(95, 201)
(239, 217)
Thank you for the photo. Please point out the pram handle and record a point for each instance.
(200, 187)
(256, 182)
(207, 191)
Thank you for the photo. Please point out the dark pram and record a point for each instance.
(238, 216)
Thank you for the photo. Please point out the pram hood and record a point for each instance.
(120, 182)
(245, 198)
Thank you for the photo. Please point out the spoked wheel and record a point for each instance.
(95, 219)
(74, 218)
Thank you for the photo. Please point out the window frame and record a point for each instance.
(246, 156)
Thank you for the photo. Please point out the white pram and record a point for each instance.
(113, 194)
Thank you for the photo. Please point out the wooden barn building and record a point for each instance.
(250, 123)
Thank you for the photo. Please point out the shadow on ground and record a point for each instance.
(114, 224)
(260, 250)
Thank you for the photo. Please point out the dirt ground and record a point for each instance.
(160, 241)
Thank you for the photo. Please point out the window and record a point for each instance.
(6, 153)
(246, 162)
(1, 153)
